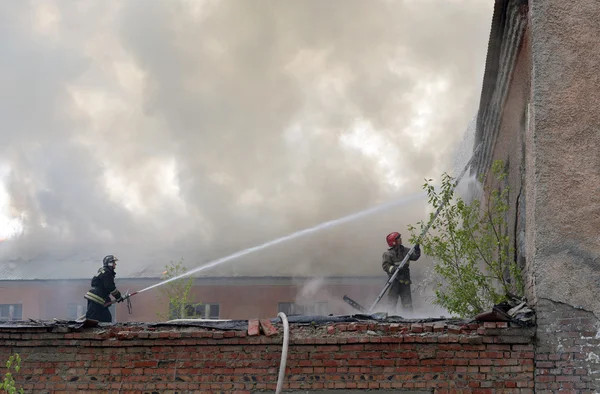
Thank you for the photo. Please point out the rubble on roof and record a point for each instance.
(300, 320)
(262, 330)
(50, 325)
(514, 310)
(58, 325)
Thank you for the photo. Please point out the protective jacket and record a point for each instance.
(393, 257)
(103, 285)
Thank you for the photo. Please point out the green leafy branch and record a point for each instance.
(177, 292)
(8, 384)
(471, 247)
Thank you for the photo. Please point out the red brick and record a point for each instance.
(253, 327)
(545, 378)
(452, 329)
(229, 361)
(267, 327)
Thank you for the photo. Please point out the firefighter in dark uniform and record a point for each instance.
(103, 286)
(392, 257)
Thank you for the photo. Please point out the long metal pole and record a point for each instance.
(425, 230)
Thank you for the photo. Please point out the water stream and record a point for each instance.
(465, 152)
(297, 234)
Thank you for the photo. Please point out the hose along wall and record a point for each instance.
(284, 351)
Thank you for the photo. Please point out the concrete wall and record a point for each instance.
(564, 152)
(548, 131)
(563, 186)
(539, 113)
(434, 357)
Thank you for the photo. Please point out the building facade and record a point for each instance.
(539, 115)
(210, 298)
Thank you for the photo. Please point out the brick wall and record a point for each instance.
(431, 357)
(567, 352)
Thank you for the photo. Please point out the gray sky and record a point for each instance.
(157, 130)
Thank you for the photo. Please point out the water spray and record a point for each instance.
(388, 284)
(297, 234)
(314, 229)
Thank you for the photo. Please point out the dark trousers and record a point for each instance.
(98, 312)
(400, 291)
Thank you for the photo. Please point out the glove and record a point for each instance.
(418, 247)
(118, 296)
(392, 269)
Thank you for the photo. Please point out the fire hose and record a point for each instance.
(126, 298)
(284, 351)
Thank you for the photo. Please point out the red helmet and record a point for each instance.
(392, 238)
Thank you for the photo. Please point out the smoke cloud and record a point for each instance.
(158, 130)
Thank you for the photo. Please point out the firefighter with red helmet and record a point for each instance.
(103, 286)
(391, 259)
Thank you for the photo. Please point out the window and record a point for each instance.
(10, 312)
(203, 311)
(320, 309)
(291, 308)
(74, 311)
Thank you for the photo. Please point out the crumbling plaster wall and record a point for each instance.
(509, 147)
(539, 114)
(563, 192)
(563, 158)
(503, 118)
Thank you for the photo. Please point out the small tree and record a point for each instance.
(8, 384)
(469, 243)
(177, 292)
